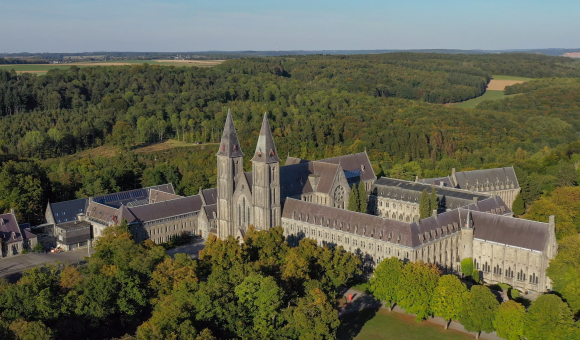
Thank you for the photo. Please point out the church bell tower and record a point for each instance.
(266, 180)
(230, 163)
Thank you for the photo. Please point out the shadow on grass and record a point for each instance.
(352, 323)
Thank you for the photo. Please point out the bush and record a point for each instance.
(38, 248)
(513, 293)
(475, 276)
(467, 266)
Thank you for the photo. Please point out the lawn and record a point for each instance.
(385, 325)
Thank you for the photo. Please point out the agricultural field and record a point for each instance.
(385, 325)
(494, 91)
(43, 68)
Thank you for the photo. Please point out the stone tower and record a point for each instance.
(466, 242)
(266, 180)
(230, 162)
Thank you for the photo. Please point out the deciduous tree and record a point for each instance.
(385, 280)
(478, 311)
(448, 296)
(509, 320)
(416, 286)
(548, 318)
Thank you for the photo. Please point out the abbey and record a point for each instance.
(308, 199)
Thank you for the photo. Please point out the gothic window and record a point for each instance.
(521, 276)
(244, 209)
(534, 279)
(497, 270)
(248, 214)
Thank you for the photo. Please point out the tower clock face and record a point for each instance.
(339, 194)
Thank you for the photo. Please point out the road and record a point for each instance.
(12, 267)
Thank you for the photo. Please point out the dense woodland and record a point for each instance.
(318, 106)
(261, 289)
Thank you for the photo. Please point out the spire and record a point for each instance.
(230, 146)
(265, 149)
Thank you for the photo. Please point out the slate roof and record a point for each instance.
(489, 226)
(265, 148)
(210, 211)
(411, 192)
(487, 179)
(357, 164)
(160, 196)
(230, 146)
(68, 210)
(174, 207)
(294, 179)
(210, 196)
(9, 227)
(356, 167)
(393, 231)
(515, 232)
(103, 213)
(483, 180)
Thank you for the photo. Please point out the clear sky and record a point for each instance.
(234, 25)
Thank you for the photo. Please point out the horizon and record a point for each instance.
(66, 26)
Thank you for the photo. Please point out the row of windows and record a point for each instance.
(509, 273)
(395, 206)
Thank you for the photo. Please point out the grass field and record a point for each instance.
(43, 68)
(493, 92)
(385, 325)
(110, 151)
(488, 95)
(500, 77)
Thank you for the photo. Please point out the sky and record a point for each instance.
(238, 25)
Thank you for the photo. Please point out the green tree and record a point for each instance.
(424, 205)
(416, 286)
(385, 279)
(548, 318)
(353, 200)
(478, 311)
(122, 135)
(467, 266)
(35, 330)
(313, 317)
(518, 206)
(433, 202)
(509, 320)
(564, 271)
(447, 300)
(261, 299)
(475, 276)
(362, 198)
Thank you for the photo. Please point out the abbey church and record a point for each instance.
(308, 199)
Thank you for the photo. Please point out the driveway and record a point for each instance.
(12, 267)
(191, 249)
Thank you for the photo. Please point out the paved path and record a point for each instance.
(191, 249)
(362, 301)
(12, 267)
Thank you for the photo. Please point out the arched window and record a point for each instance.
(244, 209)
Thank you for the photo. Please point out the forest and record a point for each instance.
(391, 105)
(259, 289)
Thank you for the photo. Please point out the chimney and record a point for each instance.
(12, 211)
(441, 184)
(552, 223)
(416, 179)
(475, 201)
(435, 213)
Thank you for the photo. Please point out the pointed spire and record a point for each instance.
(265, 149)
(230, 146)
